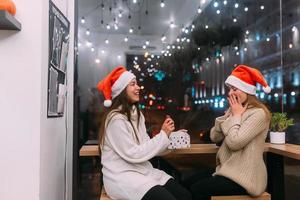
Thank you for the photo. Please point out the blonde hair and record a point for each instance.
(253, 101)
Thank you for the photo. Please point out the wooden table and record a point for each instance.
(275, 161)
(287, 150)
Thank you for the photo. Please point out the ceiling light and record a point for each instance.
(147, 42)
(103, 51)
(82, 20)
(162, 4)
(206, 26)
(134, 1)
(116, 27)
(247, 32)
(186, 30)
(107, 26)
(294, 28)
(130, 30)
(236, 47)
(106, 41)
(144, 46)
(188, 40)
(268, 39)
(87, 32)
(89, 44)
(290, 45)
(79, 44)
(126, 39)
(246, 9)
(168, 47)
(177, 40)
(218, 12)
(234, 20)
(163, 38)
(225, 2)
(92, 49)
(246, 40)
(262, 7)
(119, 57)
(216, 4)
(245, 49)
(236, 5)
(199, 48)
(237, 53)
(97, 61)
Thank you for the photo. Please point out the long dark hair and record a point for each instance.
(120, 104)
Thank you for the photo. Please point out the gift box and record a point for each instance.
(179, 139)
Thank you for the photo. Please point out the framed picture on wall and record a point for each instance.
(59, 28)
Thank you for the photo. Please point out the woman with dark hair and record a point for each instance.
(126, 147)
(241, 132)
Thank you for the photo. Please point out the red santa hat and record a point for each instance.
(114, 83)
(245, 78)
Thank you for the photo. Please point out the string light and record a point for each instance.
(107, 26)
(262, 7)
(87, 32)
(236, 5)
(120, 14)
(246, 9)
(97, 61)
(234, 20)
(225, 2)
(126, 39)
(162, 4)
(102, 51)
(82, 20)
(134, 1)
(216, 4)
(130, 30)
(147, 42)
(172, 25)
(247, 32)
(268, 39)
(199, 10)
(206, 26)
(106, 41)
(163, 38)
(92, 49)
(218, 12)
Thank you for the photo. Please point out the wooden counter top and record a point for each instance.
(287, 150)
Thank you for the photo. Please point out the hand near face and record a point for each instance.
(236, 106)
(168, 125)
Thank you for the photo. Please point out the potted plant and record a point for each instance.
(279, 123)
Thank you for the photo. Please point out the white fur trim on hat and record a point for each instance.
(107, 103)
(267, 89)
(121, 83)
(241, 85)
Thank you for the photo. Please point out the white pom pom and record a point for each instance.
(107, 103)
(267, 89)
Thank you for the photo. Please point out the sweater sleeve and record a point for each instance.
(238, 134)
(121, 140)
(216, 134)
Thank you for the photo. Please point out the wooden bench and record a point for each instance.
(264, 196)
(103, 195)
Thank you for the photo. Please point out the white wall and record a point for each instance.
(32, 146)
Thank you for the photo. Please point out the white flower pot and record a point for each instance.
(277, 137)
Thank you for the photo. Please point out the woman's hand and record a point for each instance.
(168, 125)
(236, 106)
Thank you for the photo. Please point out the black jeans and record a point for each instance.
(170, 191)
(204, 185)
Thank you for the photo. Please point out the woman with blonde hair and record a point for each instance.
(241, 132)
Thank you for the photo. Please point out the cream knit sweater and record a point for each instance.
(127, 173)
(240, 157)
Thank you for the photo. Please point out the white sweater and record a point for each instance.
(127, 173)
